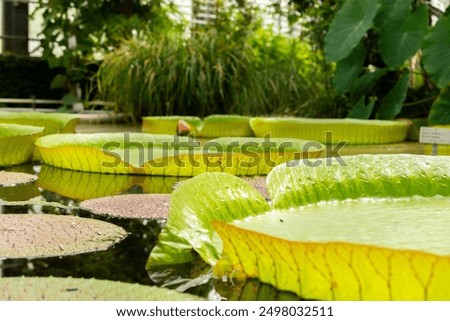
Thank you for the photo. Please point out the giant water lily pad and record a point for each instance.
(139, 206)
(226, 126)
(52, 122)
(165, 155)
(195, 204)
(166, 125)
(15, 186)
(298, 183)
(332, 131)
(73, 289)
(26, 236)
(366, 249)
(17, 143)
(10, 179)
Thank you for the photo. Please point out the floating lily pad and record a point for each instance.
(9, 179)
(366, 249)
(332, 131)
(140, 206)
(52, 122)
(165, 155)
(15, 186)
(17, 143)
(299, 183)
(194, 205)
(73, 289)
(226, 126)
(25, 236)
(167, 125)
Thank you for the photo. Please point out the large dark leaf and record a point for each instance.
(348, 27)
(362, 111)
(365, 82)
(440, 111)
(436, 51)
(348, 69)
(402, 37)
(392, 103)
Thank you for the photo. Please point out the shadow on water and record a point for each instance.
(126, 260)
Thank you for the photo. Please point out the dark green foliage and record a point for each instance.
(377, 46)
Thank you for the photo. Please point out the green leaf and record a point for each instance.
(57, 82)
(299, 183)
(353, 131)
(392, 103)
(52, 122)
(54, 235)
(195, 204)
(360, 110)
(226, 126)
(366, 82)
(401, 38)
(166, 155)
(348, 27)
(73, 289)
(436, 51)
(392, 11)
(348, 69)
(440, 111)
(365, 249)
(17, 143)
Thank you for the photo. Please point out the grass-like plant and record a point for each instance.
(213, 72)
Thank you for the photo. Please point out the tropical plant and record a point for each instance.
(76, 34)
(387, 53)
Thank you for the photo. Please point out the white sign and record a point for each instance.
(432, 135)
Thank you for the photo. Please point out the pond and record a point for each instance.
(126, 260)
(60, 191)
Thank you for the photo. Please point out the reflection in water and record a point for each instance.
(84, 185)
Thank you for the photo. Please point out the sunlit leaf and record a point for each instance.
(367, 249)
(298, 183)
(73, 289)
(348, 27)
(195, 204)
(165, 155)
(328, 131)
(226, 126)
(167, 124)
(52, 122)
(17, 143)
